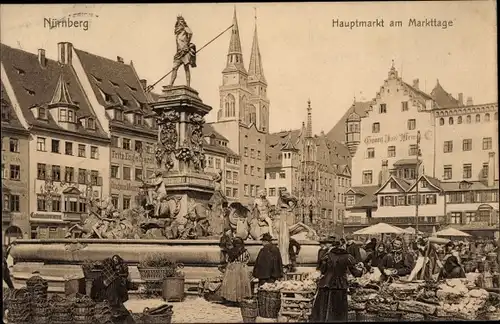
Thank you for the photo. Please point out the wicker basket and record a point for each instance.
(364, 316)
(41, 319)
(412, 317)
(83, 310)
(155, 274)
(351, 316)
(157, 319)
(269, 303)
(83, 319)
(19, 306)
(249, 310)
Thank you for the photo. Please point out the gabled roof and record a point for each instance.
(209, 130)
(443, 98)
(364, 190)
(402, 184)
(344, 169)
(35, 85)
(275, 142)
(433, 182)
(13, 121)
(71, 191)
(337, 133)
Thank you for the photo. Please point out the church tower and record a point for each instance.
(234, 95)
(258, 110)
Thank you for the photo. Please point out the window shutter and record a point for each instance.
(99, 181)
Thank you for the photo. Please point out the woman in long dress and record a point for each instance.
(236, 283)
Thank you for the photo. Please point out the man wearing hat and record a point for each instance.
(268, 266)
(353, 248)
(326, 244)
(330, 303)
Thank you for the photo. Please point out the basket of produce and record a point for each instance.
(60, 304)
(351, 316)
(364, 316)
(269, 303)
(83, 309)
(41, 319)
(157, 267)
(249, 310)
(103, 312)
(158, 315)
(40, 307)
(37, 287)
(60, 317)
(19, 318)
(18, 301)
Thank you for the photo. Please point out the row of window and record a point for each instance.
(126, 144)
(468, 119)
(382, 109)
(70, 204)
(343, 182)
(466, 171)
(470, 217)
(11, 203)
(251, 190)
(231, 192)
(13, 145)
(407, 200)
(126, 173)
(13, 172)
(246, 170)
(469, 197)
(252, 153)
(68, 148)
(411, 125)
(232, 176)
(210, 162)
(272, 175)
(54, 173)
(467, 145)
(232, 160)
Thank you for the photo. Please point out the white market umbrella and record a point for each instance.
(411, 230)
(380, 228)
(450, 231)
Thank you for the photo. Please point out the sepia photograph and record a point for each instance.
(268, 162)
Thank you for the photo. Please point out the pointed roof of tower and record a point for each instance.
(255, 70)
(235, 48)
(61, 96)
(309, 119)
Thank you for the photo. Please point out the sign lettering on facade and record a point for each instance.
(403, 137)
(11, 158)
(124, 186)
(131, 156)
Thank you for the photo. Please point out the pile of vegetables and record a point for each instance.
(290, 285)
(455, 299)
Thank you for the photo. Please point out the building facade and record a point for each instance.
(68, 147)
(311, 167)
(407, 173)
(243, 116)
(15, 173)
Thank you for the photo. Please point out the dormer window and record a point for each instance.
(71, 116)
(42, 113)
(138, 119)
(30, 92)
(19, 71)
(107, 97)
(118, 115)
(125, 102)
(62, 115)
(91, 123)
(96, 78)
(131, 88)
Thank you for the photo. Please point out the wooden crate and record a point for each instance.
(296, 305)
(298, 276)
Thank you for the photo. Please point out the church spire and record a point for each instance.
(309, 119)
(255, 70)
(234, 54)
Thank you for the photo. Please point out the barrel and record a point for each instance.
(173, 289)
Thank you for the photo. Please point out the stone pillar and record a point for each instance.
(180, 114)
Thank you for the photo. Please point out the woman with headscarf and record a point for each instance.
(451, 264)
(398, 261)
(236, 283)
(374, 260)
(112, 286)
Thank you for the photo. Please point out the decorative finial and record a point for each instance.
(392, 64)
(437, 81)
(309, 103)
(255, 15)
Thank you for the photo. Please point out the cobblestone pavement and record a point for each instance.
(191, 310)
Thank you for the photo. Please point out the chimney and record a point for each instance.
(384, 172)
(144, 83)
(469, 101)
(119, 59)
(491, 169)
(41, 57)
(65, 52)
(416, 84)
(461, 98)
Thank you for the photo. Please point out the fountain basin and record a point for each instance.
(56, 259)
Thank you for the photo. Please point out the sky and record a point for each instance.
(303, 55)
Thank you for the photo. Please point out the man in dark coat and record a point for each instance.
(353, 249)
(330, 304)
(268, 266)
(324, 245)
(370, 247)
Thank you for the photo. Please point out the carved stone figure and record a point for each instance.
(186, 51)
(168, 139)
(261, 211)
(196, 141)
(157, 193)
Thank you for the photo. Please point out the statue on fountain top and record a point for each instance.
(186, 51)
(261, 210)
